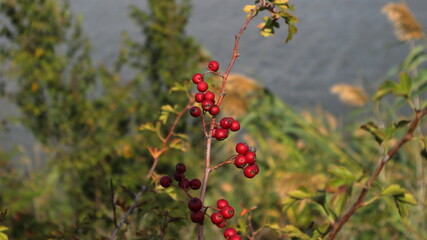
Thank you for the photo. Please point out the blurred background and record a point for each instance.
(79, 78)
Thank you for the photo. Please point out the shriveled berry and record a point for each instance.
(199, 97)
(227, 212)
(221, 134)
(195, 204)
(225, 122)
(197, 217)
(251, 171)
(207, 105)
(240, 161)
(213, 66)
(214, 110)
(250, 157)
(195, 111)
(222, 224)
(184, 183)
(195, 184)
(197, 77)
(209, 95)
(166, 181)
(202, 86)
(229, 232)
(235, 126)
(221, 203)
(180, 168)
(235, 237)
(242, 148)
(216, 218)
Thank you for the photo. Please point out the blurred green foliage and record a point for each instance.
(86, 119)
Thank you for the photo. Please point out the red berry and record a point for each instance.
(242, 148)
(250, 157)
(214, 131)
(222, 224)
(202, 86)
(197, 77)
(214, 110)
(251, 171)
(166, 181)
(227, 212)
(221, 134)
(184, 183)
(178, 176)
(240, 161)
(229, 232)
(235, 126)
(195, 184)
(180, 168)
(235, 237)
(225, 122)
(213, 66)
(197, 217)
(199, 97)
(195, 204)
(207, 105)
(209, 95)
(195, 111)
(222, 203)
(216, 218)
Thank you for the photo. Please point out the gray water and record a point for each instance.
(339, 41)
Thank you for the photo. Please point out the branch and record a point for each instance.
(153, 167)
(212, 124)
(166, 140)
(129, 211)
(419, 114)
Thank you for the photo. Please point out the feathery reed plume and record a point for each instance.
(406, 26)
(239, 89)
(349, 94)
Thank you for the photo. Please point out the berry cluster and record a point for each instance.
(183, 182)
(228, 123)
(246, 159)
(206, 98)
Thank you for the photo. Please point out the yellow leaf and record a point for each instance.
(249, 8)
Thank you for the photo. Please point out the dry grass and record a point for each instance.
(349, 94)
(406, 26)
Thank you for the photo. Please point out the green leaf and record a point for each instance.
(401, 123)
(3, 236)
(404, 89)
(393, 190)
(402, 208)
(407, 198)
(299, 194)
(384, 89)
(287, 203)
(293, 231)
(373, 129)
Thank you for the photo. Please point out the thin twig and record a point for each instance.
(129, 211)
(359, 203)
(113, 203)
